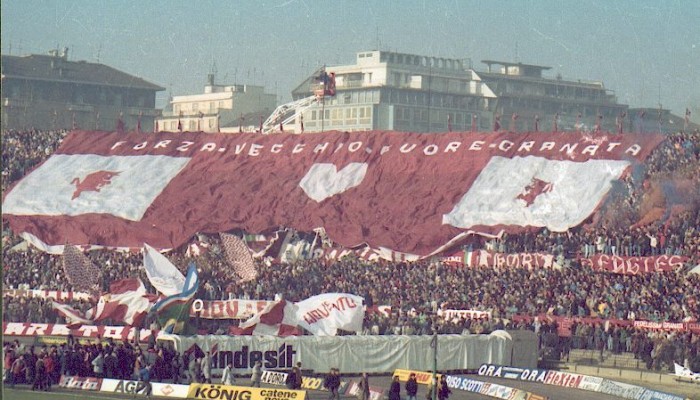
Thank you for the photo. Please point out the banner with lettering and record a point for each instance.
(565, 323)
(485, 258)
(464, 314)
(57, 295)
(325, 314)
(227, 309)
(634, 265)
(29, 329)
(411, 193)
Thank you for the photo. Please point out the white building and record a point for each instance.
(221, 108)
(403, 92)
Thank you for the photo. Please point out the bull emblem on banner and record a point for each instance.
(533, 190)
(93, 182)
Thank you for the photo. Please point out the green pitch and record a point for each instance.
(24, 394)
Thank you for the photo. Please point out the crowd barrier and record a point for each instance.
(348, 387)
(351, 354)
(191, 391)
(576, 381)
(472, 385)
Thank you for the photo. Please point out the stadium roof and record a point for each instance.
(58, 69)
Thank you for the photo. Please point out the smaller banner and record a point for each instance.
(324, 314)
(80, 383)
(464, 314)
(57, 295)
(484, 258)
(634, 265)
(279, 379)
(422, 377)
(141, 389)
(84, 331)
(227, 309)
(221, 392)
(521, 374)
(564, 329)
(464, 383)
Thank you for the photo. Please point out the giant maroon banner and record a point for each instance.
(634, 265)
(408, 192)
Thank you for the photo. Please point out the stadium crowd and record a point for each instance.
(654, 210)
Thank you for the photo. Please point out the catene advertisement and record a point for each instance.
(222, 392)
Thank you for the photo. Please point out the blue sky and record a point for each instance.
(640, 49)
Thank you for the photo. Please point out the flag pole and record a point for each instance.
(434, 345)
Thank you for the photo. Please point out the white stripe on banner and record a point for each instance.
(124, 186)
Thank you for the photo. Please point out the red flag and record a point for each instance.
(239, 257)
(79, 270)
(277, 319)
(126, 302)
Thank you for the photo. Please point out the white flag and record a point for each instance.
(162, 274)
(537, 192)
(77, 184)
(324, 314)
